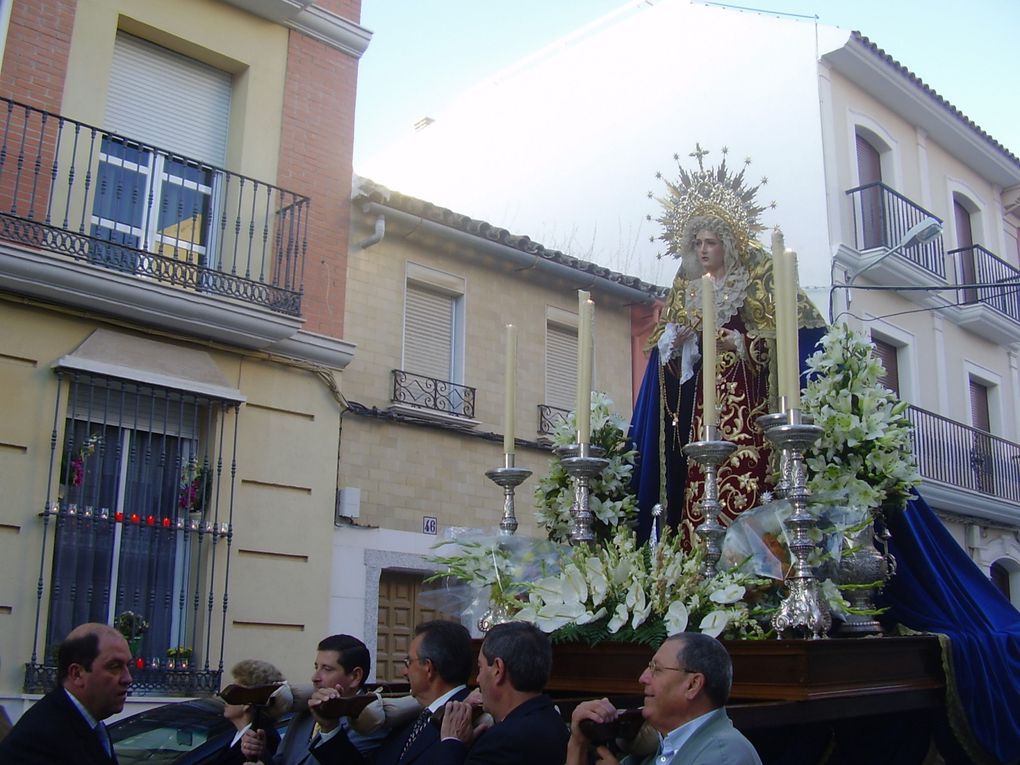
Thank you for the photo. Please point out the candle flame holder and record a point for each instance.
(582, 463)
(509, 477)
(803, 610)
(710, 454)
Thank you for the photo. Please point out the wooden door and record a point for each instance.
(869, 170)
(400, 610)
(965, 238)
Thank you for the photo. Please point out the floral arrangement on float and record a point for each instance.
(865, 453)
(613, 589)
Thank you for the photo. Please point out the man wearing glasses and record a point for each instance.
(686, 684)
(437, 666)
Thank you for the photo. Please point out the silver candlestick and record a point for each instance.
(509, 477)
(710, 454)
(803, 610)
(582, 463)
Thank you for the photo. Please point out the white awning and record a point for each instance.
(113, 354)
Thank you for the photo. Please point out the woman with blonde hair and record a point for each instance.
(253, 673)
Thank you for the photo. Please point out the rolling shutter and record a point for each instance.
(168, 100)
(428, 333)
(560, 366)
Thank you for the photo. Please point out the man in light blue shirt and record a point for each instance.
(686, 685)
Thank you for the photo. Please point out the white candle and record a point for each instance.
(792, 335)
(782, 307)
(510, 390)
(709, 415)
(586, 316)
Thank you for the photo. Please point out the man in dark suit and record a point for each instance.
(342, 664)
(437, 667)
(513, 668)
(67, 725)
(686, 684)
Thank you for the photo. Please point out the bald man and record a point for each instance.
(66, 725)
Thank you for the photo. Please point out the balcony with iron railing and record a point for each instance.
(108, 221)
(970, 470)
(882, 216)
(550, 418)
(432, 397)
(986, 282)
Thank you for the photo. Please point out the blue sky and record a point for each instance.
(425, 52)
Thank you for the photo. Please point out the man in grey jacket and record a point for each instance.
(686, 684)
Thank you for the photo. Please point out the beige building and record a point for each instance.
(895, 155)
(430, 292)
(171, 297)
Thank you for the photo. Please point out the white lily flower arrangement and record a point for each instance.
(612, 504)
(613, 589)
(865, 453)
(622, 591)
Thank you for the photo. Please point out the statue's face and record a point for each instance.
(710, 252)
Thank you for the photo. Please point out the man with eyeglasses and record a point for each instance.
(437, 666)
(686, 685)
(342, 664)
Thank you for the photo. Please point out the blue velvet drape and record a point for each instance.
(937, 588)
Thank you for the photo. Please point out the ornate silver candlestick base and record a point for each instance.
(765, 422)
(582, 463)
(710, 454)
(509, 477)
(802, 610)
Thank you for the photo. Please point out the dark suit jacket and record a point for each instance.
(532, 734)
(422, 751)
(232, 755)
(341, 749)
(53, 731)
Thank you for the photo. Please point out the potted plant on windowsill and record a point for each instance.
(132, 626)
(178, 657)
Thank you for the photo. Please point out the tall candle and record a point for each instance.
(585, 315)
(793, 336)
(782, 306)
(709, 414)
(510, 389)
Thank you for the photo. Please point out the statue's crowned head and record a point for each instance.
(712, 199)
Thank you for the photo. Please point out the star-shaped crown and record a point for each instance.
(709, 192)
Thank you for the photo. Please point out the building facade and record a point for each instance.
(856, 150)
(430, 293)
(174, 183)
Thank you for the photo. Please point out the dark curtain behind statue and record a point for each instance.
(938, 588)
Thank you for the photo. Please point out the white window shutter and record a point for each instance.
(168, 100)
(560, 366)
(428, 333)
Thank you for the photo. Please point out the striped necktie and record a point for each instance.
(419, 725)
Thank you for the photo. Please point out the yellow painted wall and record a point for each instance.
(253, 50)
(286, 460)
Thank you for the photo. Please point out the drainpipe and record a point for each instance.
(500, 250)
(377, 236)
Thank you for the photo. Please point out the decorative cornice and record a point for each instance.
(305, 17)
(332, 30)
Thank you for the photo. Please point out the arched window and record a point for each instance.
(1000, 578)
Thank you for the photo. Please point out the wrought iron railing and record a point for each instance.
(145, 681)
(882, 216)
(120, 204)
(957, 455)
(550, 417)
(1000, 282)
(433, 394)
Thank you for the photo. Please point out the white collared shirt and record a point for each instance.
(677, 737)
(438, 703)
